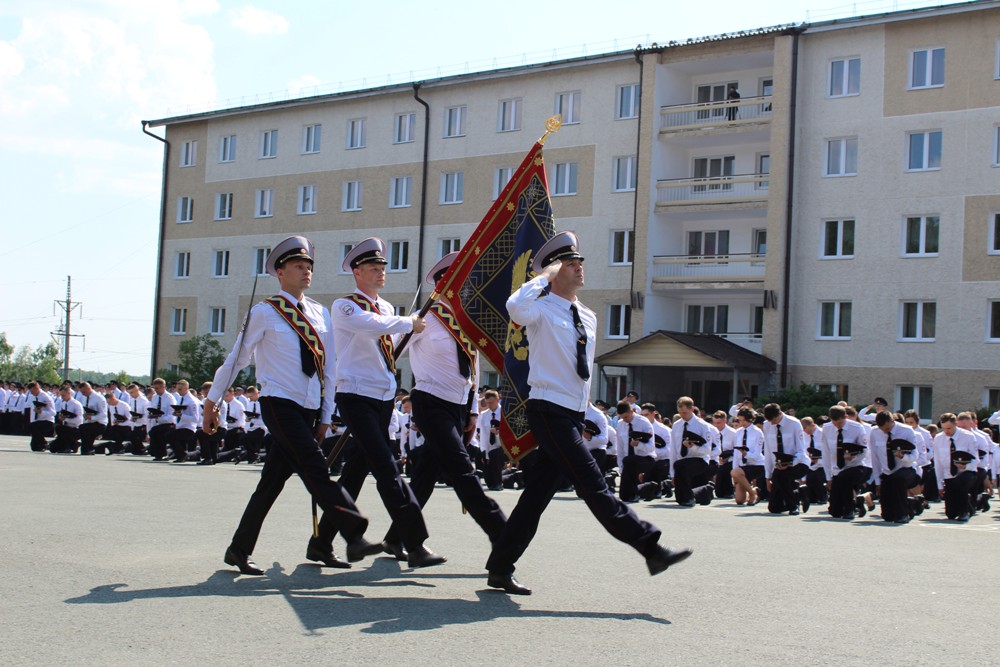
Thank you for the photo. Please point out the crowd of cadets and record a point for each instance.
(847, 459)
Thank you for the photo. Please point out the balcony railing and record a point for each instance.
(750, 341)
(742, 267)
(747, 111)
(712, 190)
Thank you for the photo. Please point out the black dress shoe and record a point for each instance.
(424, 557)
(245, 565)
(361, 548)
(507, 583)
(963, 517)
(662, 558)
(395, 549)
(861, 507)
(793, 512)
(326, 556)
(804, 499)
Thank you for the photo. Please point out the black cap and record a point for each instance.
(784, 457)
(880, 401)
(601, 404)
(814, 452)
(659, 441)
(854, 448)
(694, 440)
(960, 456)
(900, 445)
(590, 427)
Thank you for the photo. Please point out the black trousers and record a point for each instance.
(892, 496)
(253, 441)
(493, 469)
(208, 443)
(632, 467)
(958, 494)
(67, 439)
(600, 458)
(368, 419)
(442, 424)
(816, 482)
(181, 440)
(724, 480)
(39, 431)
(930, 483)
(562, 451)
(89, 433)
(785, 488)
(136, 438)
(158, 440)
(843, 488)
(295, 450)
(691, 481)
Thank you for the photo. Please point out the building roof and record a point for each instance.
(687, 350)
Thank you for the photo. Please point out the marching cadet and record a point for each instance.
(844, 442)
(95, 418)
(894, 456)
(636, 431)
(785, 461)
(816, 477)
(364, 327)
(161, 419)
(187, 416)
(43, 416)
(137, 405)
(488, 427)
(290, 339)
(692, 448)
(119, 429)
(69, 416)
(563, 340)
(956, 460)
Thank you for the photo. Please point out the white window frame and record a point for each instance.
(399, 257)
(353, 196)
(923, 236)
(627, 237)
(217, 321)
(220, 264)
(993, 232)
(564, 179)
(501, 177)
(841, 145)
(178, 322)
(344, 249)
(227, 148)
(268, 144)
(844, 84)
(839, 309)
(926, 150)
(454, 121)
(448, 246)
(404, 128)
(620, 319)
(568, 106)
(452, 187)
(996, 145)
(189, 154)
(702, 311)
(631, 94)
(763, 185)
(356, 133)
(263, 205)
(841, 237)
(928, 68)
(182, 265)
(990, 305)
(916, 403)
(307, 200)
(312, 139)
(223, 206)
(259, 268)
(631, 163)
(919, 337)
(401, 192)
(509, 115)
(185, 209)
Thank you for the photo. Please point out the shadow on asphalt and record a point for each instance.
(309, 592)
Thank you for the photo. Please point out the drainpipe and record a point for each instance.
(159, 249)
(636, 303)
(423, 191)
(786, 301)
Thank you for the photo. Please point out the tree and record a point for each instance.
(6, 356)
(199, 357)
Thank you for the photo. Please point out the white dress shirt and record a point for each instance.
(600, 440)
(791, 441)
(137, 406)
(753, 438)
(814, 440)
(190, 417)
(361, 368)
(237, 413)
(434, 360)
(94, 402)
(965, 441)
(639, 424)
(877, 442)
(726, 438)
(665, 451)
(43, 408)
(853, 432)
(72, 406)
(548, 323)
(694, 425)
(483, 427)
(925, 453)
(120, 415)
(253, 423)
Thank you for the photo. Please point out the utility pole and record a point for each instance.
(63, 331)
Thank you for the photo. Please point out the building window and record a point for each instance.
(918, 321)
(307, 199)
(400, 190)
(707, 319)
(838, 239)
(220, 268)
(217, 327)
(994, 225)
(757, 322)
(568, 106)
(312, 136)
(625, 177)
(927, 68)
(708, 244)
(344, 249)
(452, 187)
(717, 170)
(178, 322)
(920, 235)
(189, 153)
(454, 121)
(352, 196)
(923, 151)
(845, 77)
(224, 206)
(399, 255)
(501, 177)
(185, 209)
(915, 398)
(565, 179)
(227, 148)
(842, 157)
(400, 311)
(448, 246)
(183, 265)
(509, 115)
(622, 247)
(268, 144)
(356, 133)
(627, 101)
(763, 171)
(835, 320)
(996, 146)
(263, 203)
(260, 261)
(619, 321)
(993, 322)
(404, 128)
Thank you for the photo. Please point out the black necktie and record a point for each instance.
(684, 437)
(464, 369)
(582, 367)
(840, 449)
(781, 444)
(308, 360)
(954, 468)
(745, 443)
(493, 419)
(889, 455)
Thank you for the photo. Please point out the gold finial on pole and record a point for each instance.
(551, 125)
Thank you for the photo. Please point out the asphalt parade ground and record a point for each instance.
(118, 560)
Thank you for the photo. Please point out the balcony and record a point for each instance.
(749, 112)
(748, 341)
(745, 190)
(724, 272)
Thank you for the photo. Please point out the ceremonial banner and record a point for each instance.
(492, 264)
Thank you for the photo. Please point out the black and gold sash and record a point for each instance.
(385, 343)
(304, 328)
(447, 318)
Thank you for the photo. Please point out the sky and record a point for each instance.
(80, 182)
